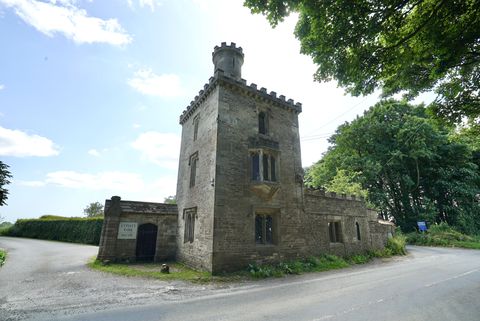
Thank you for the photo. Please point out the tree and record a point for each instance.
(4, 180)
(170, 200)
(399, 46)
(94, 210)
(409, 165)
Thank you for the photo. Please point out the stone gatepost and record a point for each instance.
(108, 238)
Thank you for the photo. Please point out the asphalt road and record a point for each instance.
(429, 284)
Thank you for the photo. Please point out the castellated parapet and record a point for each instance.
(228, 58)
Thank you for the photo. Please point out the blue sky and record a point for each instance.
(91, 92)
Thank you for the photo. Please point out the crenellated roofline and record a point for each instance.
(220, 77)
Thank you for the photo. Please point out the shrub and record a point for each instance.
(3, 257)
(76, 230)
(443, 235)
(4, 227)
(359, 259)
(396, 245)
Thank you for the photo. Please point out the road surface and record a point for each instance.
(48, 281)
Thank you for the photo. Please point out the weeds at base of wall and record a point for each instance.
(3, 257)
(178, 271)
(395, 246)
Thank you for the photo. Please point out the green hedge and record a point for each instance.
(76, 230)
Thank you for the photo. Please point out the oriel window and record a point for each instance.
(263, 166)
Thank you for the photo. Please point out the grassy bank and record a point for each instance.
(326, 262)
(3, 256)
(444, 235)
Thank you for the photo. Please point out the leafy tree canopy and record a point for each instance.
(94, 210)
(4, 180)
(400, 46)
(412, 168)
(170, 200)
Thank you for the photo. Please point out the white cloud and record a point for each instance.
(2, 87)
(162, 149)
(128, 185)
(152, 4)
(94, 152)
(148, 83)
(135, 125)
(31, 183)
(66, 18)
(20, 144)
(118, 181)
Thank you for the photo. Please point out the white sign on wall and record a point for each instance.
(127, 231)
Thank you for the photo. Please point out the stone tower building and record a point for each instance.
(239, 189)
(240, 193)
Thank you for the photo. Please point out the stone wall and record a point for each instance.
(237, 197)
(198, 254)
(322, 208)
(164, 216)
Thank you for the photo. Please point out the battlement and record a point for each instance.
(241, 84)
(223, 45)
(342, 196)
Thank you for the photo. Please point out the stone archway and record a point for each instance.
(146, 242)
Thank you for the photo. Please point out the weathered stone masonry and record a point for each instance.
(240, 193)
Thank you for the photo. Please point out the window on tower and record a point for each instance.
(265, 231)
(263, 165)
(193, 168)
(196, 120)
(262, 123)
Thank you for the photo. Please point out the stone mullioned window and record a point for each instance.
(264, 229)
(193, 160)
(263, 166)
(189, 216)
(335, 232)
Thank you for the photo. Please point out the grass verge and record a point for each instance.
(3, 257)
(444, 235)
(178, 271)
(326, 262)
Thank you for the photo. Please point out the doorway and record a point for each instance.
(146, 242)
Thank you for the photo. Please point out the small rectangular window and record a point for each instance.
(273, 169)
(196, 120)
(255, 166)
(265, 167)
(193, 168)
(189, 215)
(264, 229)
(268, 229)
(335, 232)
(262, 123)
(258, 229)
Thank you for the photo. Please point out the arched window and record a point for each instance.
(262, 123)
(358, 230)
